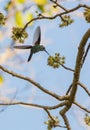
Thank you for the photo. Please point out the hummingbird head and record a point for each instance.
(43, 49)
(38, 48)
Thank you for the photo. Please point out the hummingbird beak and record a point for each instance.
(47, 52)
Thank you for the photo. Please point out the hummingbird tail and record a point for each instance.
(30, 56)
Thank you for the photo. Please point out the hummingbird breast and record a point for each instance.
(37, 48)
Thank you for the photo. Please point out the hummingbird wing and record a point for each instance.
(37, 36)
(30, 56)
(23, 47)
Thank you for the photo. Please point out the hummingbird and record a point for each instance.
(36, 44)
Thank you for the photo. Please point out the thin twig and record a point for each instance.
(81, 107)
(67, 68)
(56, 3)
(85, 55)
(23, 103)
(51, 117)
(33, 105)
(61, 126)
(84, 87)
(53, 17)
(69, 89)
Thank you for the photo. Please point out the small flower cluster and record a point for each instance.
(19, 35)
(87, 15)
(2, 19)
(87, 119)
(66, 20)
(52, 123)
(56, 61)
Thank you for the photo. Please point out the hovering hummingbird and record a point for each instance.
(36, 44)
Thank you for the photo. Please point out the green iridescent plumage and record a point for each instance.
(37, 48)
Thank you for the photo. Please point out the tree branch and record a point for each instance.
(53, 17)
(84, 87)
(75, 77)
(81, 107)
(58, 105)
(33, 105)
(78, 65)
(49, 115)
(54, 95)
(62, 113)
